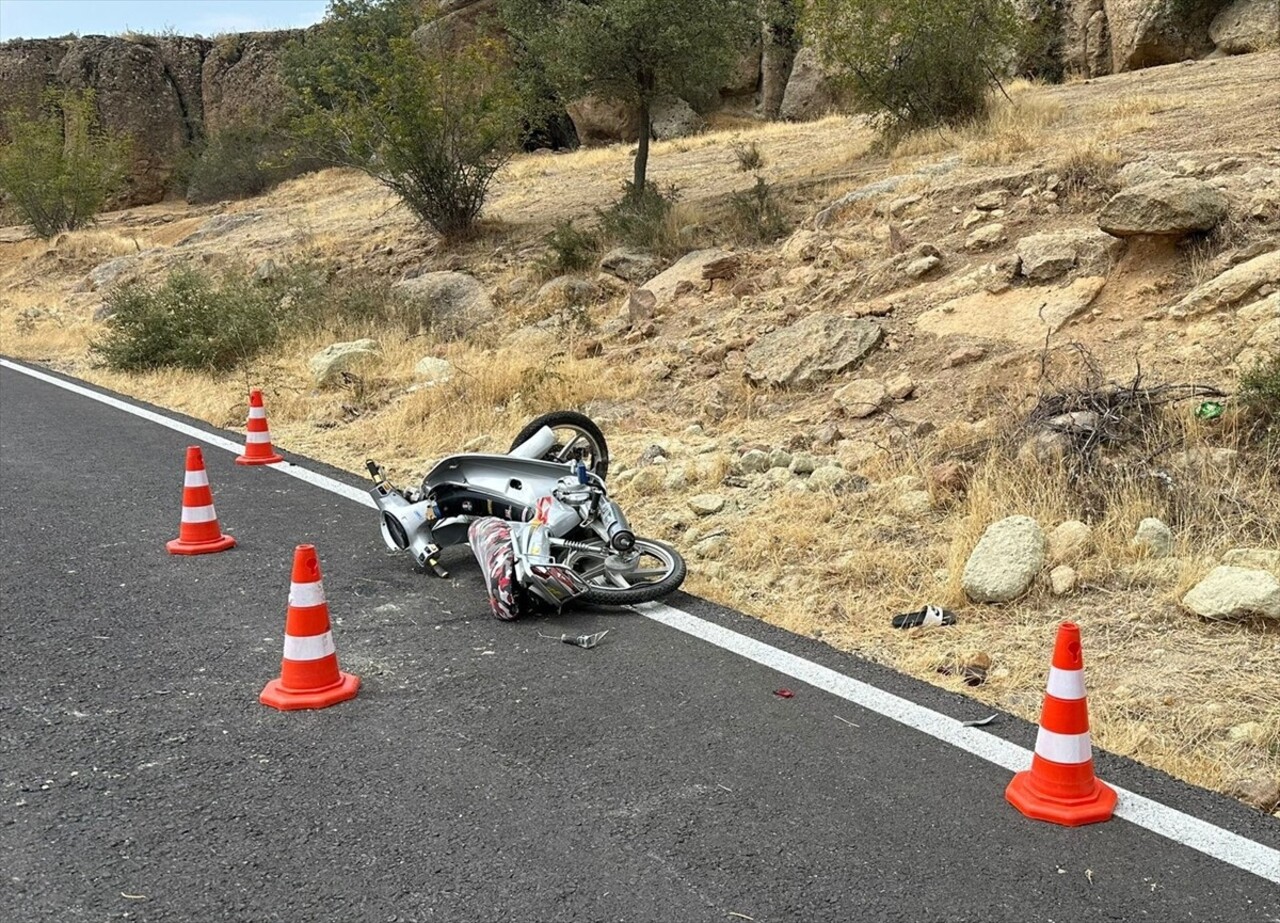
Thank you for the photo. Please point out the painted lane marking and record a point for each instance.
(295, 471)
(1200, 835)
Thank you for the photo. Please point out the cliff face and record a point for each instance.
(168, 92)
(164, 92)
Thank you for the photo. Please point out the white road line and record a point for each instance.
(1168, 822)
(302, 474)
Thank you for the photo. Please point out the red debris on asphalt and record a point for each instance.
(783, 693)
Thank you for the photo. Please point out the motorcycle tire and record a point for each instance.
(570, 419)
(648, 592)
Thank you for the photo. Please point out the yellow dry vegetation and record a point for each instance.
(1198, 699)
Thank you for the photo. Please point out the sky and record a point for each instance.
(43, 18)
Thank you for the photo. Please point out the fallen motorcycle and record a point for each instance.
(539, 520)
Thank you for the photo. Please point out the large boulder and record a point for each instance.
(448, 300)
(1246, 25)
(630, 265)
(1235, 592)
(777, 56)
(687, 273)
(1167, 208)
(27, 68)
(603, 121)
(810, 93)
(1005, 561)
(1145, 33)
(1051, 254)
(135, 97)
(811, 350)
(328, 364)
(1232, 287)
(1086, 40)
(672, 117)
(241, 81)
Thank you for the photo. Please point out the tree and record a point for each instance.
(914, 63)
(59, 169)
(633, 51)
(430, 118)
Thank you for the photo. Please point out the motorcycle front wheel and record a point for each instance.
(576, 435)
(651, 572)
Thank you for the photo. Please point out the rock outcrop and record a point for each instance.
(1246, 25)
(163, 93)
(240, 81)
(1166, 208)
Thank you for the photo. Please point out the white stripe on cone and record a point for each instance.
(257, 437)
(304, 595)
(196, 479)
(1066, 684)
(1063, 748)
(257, 413)
(311, 647)
(198, 514)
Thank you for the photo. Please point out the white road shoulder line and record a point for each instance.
(208, 438)
(1168, 822)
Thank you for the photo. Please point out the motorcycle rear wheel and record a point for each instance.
(574, 431)
(658, 571)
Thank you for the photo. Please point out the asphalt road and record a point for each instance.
(484, 772)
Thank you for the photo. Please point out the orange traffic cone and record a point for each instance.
(257, 438)
(199, 532)
(1060, 787)
(309, 674)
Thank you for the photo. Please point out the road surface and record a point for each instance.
(484, 772)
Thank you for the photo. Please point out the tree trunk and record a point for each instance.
(642, 151)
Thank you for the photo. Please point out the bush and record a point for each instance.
(430, 119)
(572, 249)
(748, 155)
(643, 220)
(242, 161)
(758, 217)
(190, 321)
(914, 64)
(59, 170)
(1260, 391)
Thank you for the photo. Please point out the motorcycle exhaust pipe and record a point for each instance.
(621, 538)
(537, 445)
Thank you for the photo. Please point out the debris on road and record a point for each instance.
(784, 693)
(583, 641)
(927, 617)
(981, 722)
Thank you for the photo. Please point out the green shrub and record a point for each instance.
(1260, 391)
(643, 220)
(189, 321)
(914, 64)
(572, 249)
(242, 161)
(59, 169)
(758, 216)
(428, 117)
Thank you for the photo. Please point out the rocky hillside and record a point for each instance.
(168, 92)
(969, 376)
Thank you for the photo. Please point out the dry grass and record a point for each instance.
(1166, 688)
(1016, 123)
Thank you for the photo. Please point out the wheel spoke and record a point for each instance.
(568, 449)
(648, 572)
